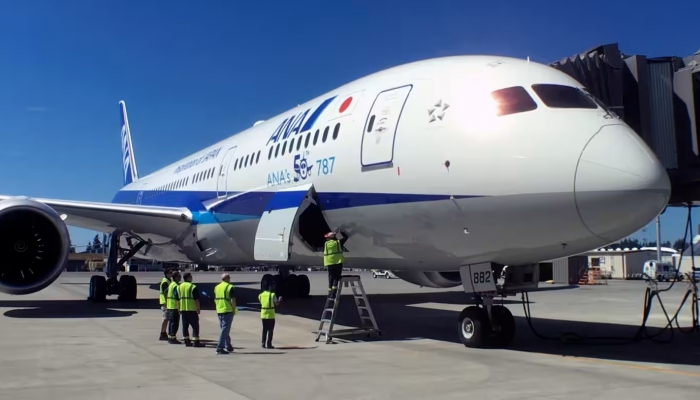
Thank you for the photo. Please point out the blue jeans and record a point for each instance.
(225, 321)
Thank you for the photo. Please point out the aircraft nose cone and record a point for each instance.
(620, 184)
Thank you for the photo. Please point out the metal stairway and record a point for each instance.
(331, 307)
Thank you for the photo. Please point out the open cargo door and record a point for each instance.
(276, 226)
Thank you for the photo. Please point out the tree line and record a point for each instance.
(97, 246)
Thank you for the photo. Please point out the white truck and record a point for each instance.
(659, 270)
(381, 272)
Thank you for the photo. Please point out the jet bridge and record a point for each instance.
(658, 97)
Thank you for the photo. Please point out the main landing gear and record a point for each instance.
(125, 287)
(486, 324)
(287, 284)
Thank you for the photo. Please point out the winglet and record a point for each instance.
(128, 160)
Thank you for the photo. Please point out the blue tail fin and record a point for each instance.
(131, 174)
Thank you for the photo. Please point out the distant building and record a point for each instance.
(626, 263)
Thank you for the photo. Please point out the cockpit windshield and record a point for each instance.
(560, 96)
(513, 100)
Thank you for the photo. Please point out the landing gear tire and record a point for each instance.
(129, 288)
(503, 326)
(97, 291)
(473, 327)
(304, 286)
(291, 286)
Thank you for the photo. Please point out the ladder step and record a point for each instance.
(331, 306)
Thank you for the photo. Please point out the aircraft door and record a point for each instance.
(221, 180)
(275, 229)
(380, 128)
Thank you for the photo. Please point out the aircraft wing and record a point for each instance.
(166, 222)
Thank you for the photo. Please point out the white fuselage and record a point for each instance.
(439, 180)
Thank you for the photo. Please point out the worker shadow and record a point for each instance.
(434, 316)
(211, 344)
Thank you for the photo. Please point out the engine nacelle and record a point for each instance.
(34, 246)
(440, 280)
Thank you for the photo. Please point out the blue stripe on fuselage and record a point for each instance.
(251, 205)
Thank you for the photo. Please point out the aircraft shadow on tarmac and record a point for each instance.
(400, 319)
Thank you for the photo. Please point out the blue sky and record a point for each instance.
(193, 73)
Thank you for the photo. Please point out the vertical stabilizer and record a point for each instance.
(128, 159)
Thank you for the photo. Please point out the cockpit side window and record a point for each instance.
(560, 96)
(513, 100)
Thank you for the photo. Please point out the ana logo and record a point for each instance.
(298, 123)
(302, 169)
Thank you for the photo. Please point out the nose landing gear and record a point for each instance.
(486, 324)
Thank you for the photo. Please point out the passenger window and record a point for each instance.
(325, 135)
(245, 164)
(306, 142)
(277, 149)
(284, 147)
(513, 100)
(291, 145)
(560, 96)
(269, 154)
(336, 130)
(252, 157)
(257, 158)
(316, 137)
(187, 181)
(299, 143)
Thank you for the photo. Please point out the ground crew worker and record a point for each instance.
(225, 308)
(172, 308)
(333, 260)
(162, 291)
(268, 302)
(188, 294)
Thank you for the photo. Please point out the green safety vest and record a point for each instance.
(222, 298)
(171, 301)
(332, 253)
(161, 293)
(186, 291)
(267, 308)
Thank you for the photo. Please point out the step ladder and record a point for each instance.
(331, 307)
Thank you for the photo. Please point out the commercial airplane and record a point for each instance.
(460, 170)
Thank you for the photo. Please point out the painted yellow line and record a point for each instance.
(630, 366)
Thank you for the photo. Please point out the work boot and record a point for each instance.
(188, 343)
(270, 346)
(229, 349)
(197, 343)
(221, 351)
(174, 341)
(163, 336)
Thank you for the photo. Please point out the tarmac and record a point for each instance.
(56, 344)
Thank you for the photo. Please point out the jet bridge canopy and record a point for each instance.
(658, 97)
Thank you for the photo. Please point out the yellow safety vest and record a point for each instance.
(267, 307)
(161, 293)
(332, 253)
(222, 298)
(171, 301)
(186, 291)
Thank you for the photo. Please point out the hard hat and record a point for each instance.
(330, 234)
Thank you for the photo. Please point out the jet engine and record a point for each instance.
(34, 246)
(440, 280)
